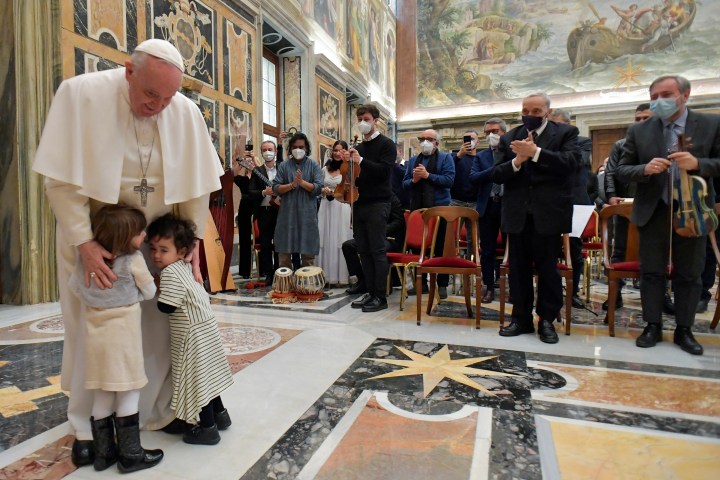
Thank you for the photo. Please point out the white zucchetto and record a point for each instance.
(162, 49)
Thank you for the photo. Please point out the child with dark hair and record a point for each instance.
(200, 370)
(114, 363)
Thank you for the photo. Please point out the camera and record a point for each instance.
(248, 147)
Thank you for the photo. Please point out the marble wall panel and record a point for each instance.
(238, 123)
(237, 62)
(110, 22)
(292, 95)
(192, 31)
(86, 62)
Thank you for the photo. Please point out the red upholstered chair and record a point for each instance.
(407, 258)
(629, 267)
(450, 261)
(564, 267)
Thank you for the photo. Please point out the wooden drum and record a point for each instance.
(309, 283)
(283, 286)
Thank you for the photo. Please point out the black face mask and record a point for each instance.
(532, 122)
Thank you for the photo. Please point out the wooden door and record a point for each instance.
(602, 142)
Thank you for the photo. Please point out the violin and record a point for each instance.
(347, 190)
(693, 218)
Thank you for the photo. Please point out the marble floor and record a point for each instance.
(324, 391)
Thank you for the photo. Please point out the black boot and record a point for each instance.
(106, 452)
(132, 456)
(83, 453)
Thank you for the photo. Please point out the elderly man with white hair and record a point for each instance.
(122, 135)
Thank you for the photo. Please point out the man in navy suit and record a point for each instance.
(489, 203)
(535, 162)
(646, 160)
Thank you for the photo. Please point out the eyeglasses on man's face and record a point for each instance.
(429, 139)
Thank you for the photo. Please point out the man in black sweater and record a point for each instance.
(394, 239)
(376, 157)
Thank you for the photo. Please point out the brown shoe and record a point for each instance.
(489, 296)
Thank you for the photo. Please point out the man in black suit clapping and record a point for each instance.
(536, 162)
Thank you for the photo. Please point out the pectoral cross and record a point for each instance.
(144, 189)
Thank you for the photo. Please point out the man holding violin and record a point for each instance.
(375, 156)
(650, 151)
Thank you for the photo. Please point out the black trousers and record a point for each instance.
(576, 258)
(267, 218)
(620, 233)
(708, 275)
(244, 223)
(529, 248)
(352, 259)
(369, 225)
(688, 256)
(489, 227)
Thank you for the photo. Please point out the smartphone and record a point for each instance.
(248, 147)
(467, 139)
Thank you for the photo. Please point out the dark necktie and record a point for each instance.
(671, 142)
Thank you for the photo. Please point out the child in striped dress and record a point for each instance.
(200, 370)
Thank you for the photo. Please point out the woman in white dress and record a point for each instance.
(333, 220)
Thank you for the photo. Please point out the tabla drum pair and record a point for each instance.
(306, 284)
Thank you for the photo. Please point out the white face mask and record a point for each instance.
(364, 127)
(472, 144)
(427, 147)
(493, 139)
(298, 153)
(268, 155)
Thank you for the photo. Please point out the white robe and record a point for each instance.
(89, 155)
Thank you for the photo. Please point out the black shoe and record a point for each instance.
(412, 291)
(106, 449)
(547, 332)
(702, 305)
(442, 292)
(360, 302)
(375, 305)
(222, 419)
(684, 337)
(176, 427)
(651, 335)
(198, 435)
(83, 453)
(133, 456)
(515, 329)
(576, 302)
(668, 305)
(356, 288)
(618, 303)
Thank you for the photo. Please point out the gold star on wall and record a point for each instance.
(439, 366)
(207, 113)
(628, 75)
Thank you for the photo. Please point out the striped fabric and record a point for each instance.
(200, 370)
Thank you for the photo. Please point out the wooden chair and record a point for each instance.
(450, 261)
(256, 247)
(713, 240)
(564, 268)
(216, 250)
(629, 267)
(591, 250)
(407, 258)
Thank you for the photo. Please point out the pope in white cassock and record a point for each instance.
(122, 135)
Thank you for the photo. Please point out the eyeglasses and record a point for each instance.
(494, 130)
(421, 139)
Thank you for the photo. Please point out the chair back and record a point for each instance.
(414, 239)
(632, 248)
(451, 215)
(255, 233)
(591, 229)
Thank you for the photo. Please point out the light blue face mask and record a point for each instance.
(664, 107)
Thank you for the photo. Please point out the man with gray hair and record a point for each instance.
(489, 203)
(535, 162)
(136, 141)
(651, 150)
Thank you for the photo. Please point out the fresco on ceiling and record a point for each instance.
(327, 15)
(357, 33)
(507, 49)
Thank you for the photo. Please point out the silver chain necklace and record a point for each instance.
(143, 188)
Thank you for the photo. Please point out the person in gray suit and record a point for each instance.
(536, 162)
(646, 160)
